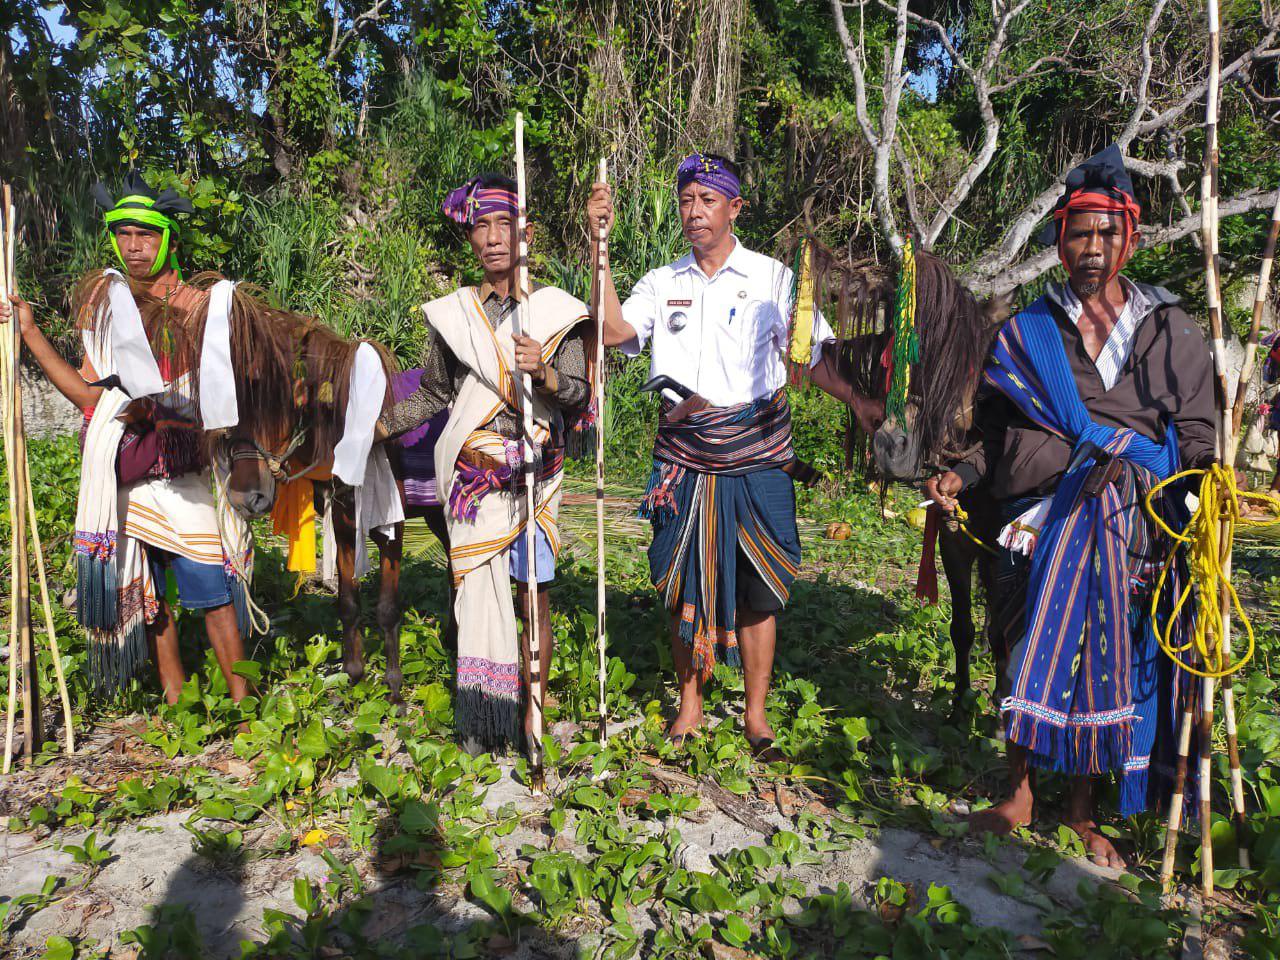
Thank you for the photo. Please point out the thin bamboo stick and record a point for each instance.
(6, 387)
(536, 775)
(47, 608)
(1255, 326)
(32, 728)
(1213, 297)
(602, 658)
(1174, 825)
(36, 544)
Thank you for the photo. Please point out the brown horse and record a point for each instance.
(291, 381)
(956, 332)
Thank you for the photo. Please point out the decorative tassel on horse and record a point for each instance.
(903, 349)
(800, 352)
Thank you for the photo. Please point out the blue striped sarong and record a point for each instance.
(1086, 692)
(718, 488)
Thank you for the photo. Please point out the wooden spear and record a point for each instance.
(602, 658)
(536, 775)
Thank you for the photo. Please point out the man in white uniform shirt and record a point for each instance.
(725, 548)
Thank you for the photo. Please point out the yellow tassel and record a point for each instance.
(802, 332)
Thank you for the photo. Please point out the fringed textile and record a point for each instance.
(903, 349)
(718, 487)
(1073, 702)
(487, 708)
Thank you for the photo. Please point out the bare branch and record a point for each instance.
(1144, 78)
(1028, 270)
(909, 179)
(853, 53)
(990, 126)
(336, 43)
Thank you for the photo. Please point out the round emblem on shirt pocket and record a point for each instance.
(676, 321)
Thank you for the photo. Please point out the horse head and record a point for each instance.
(291, 376)
(955, 331)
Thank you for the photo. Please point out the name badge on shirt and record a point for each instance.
(679, 303)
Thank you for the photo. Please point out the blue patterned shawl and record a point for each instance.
(1076, 673)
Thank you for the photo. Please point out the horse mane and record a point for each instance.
(290, 369)
(853, 295)
(167, 325)
(956, 333)
(955, 330)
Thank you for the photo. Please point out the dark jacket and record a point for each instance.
(1168, 376)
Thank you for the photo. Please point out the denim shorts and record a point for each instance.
(201, 586)
(546, 560)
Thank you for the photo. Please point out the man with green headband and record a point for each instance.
(148, 528)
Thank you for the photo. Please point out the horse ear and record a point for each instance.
(999, 307)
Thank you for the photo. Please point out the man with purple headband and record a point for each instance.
(471, 358)
(725, 547)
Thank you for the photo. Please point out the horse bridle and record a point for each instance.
(275, 462)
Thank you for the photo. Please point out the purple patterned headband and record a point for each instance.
(470, 202)
(710, 172)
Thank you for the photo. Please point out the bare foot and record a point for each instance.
(1003, 818)
(684, 724)
(1100, 849)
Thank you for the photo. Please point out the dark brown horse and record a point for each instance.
(955, 332)
(291, 380)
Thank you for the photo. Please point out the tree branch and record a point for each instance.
(1028, 270)
(336, 43)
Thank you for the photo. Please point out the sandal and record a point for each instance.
(762, 749)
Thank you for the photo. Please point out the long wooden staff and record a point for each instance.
(1226, 445)
(536, 776)
(20, 473)
(6, 388)
(602, 658)
(19, 483)
(1237, 418)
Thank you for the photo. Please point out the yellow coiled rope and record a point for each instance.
(1208, 536)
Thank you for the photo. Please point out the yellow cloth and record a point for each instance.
(294, 517)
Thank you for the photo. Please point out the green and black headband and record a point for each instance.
(142, 206)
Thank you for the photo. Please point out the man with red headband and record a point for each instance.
(1093, 394)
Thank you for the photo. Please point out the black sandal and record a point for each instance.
(762, 749)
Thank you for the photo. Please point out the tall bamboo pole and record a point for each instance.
(1237, 418)
(6, 388)
(32, 730)
(602, 657)
(36, 545)
(1213, 297)
(20, 473)
(536, 775)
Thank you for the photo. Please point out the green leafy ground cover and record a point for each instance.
(338, 828)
